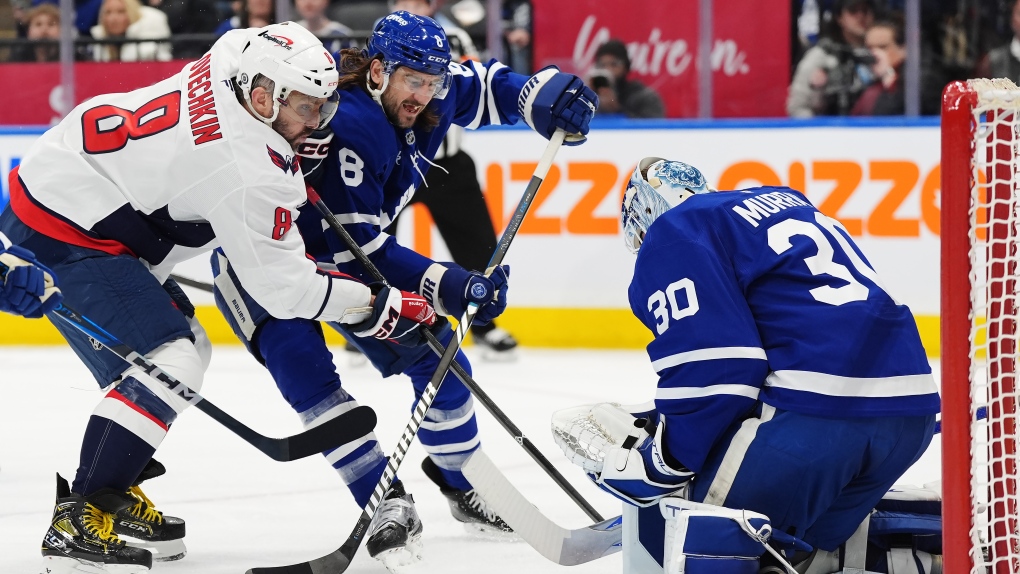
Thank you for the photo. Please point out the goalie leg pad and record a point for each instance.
(702, 539)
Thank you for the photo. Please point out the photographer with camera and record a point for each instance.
(884, 97)
(617, 94)
(833, 74)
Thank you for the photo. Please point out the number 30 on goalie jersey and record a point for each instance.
(738, 286)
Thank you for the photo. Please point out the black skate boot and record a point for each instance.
(469, 508)
(142, 526)
(495, 343)
(81, 538)
(395, 532)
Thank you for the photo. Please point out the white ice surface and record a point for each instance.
(243, 509)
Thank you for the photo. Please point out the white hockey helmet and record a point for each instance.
(295, 60)
(656, 186)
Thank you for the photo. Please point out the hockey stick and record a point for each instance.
(558, 544)
(349, 426)
(459, 370)
(337, 561)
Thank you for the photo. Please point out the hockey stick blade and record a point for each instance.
(349, 426)
(558, 544)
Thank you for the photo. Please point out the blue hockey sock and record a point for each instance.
(111, 457)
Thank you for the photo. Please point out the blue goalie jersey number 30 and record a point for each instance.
(680, 298)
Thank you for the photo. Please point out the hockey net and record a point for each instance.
(980, 232)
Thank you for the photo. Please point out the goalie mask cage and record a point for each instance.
(980, 229)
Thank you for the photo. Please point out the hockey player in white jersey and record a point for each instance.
(128, 185)
(27, 287)
(398, 98)
(791, 383)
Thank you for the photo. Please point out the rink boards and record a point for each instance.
(570, 271)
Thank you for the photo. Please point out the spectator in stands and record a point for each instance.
(314, 19)
(1004, 61)
(189, 17)
(130, 20)
(617, 94)
(884, 97)
(833, 73)
(42, 23)
(252, 14)
(517, 35)
(86, 13)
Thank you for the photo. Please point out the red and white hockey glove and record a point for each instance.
(396, 316)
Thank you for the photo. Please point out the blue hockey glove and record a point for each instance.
(552, 99)
(396, 316)
(28, 288)
(457, 288)
(637, 473)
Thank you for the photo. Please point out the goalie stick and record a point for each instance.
(337, 561)
(349, 426)
(558, 544)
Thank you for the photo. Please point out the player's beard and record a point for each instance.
(295, 133)
(393, 109)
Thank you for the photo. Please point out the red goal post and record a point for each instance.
(980, 231)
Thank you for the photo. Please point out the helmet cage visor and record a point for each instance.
(422, 82)
(309, 110)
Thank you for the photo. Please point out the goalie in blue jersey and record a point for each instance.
(790, 382)
(398, 99)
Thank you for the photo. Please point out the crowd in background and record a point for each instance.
(847, 56)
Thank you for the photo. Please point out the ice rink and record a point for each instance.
(243, 509)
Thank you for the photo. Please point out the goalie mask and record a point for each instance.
(296, 61)
(656, 186)
(417, 42)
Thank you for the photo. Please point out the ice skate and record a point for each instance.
(496, 344)
(395, 532)
(355, 358)
(469, 508)
(142, 526)
(81, 539)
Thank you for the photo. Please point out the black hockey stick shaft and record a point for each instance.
(345, 428)
(459, 370)
(337, 561)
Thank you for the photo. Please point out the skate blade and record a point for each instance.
(493, 356)
(162, 551)
(486, 532)
(67, 565)
(396, 560)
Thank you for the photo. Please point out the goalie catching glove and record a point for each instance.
(396, 316)
(620, 453)
(27, 287)
(450, 289)
(552, 100)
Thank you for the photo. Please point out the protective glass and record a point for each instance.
(308, 109)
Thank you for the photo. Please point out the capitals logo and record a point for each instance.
(286, 163)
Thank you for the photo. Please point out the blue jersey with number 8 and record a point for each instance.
(756, 295)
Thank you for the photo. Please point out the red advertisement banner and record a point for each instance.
(34, 96)
(750, 50)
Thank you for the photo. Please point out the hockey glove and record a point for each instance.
(551, 99)
(396, 316)
(636, 472)
(458, 288)
(28, 287)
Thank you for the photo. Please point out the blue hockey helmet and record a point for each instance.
(418, 42)
(656, 186)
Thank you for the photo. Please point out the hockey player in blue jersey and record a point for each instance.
(27, 287)
(791, 383)
(398, 98)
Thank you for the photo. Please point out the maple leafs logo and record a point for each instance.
(286, 163)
